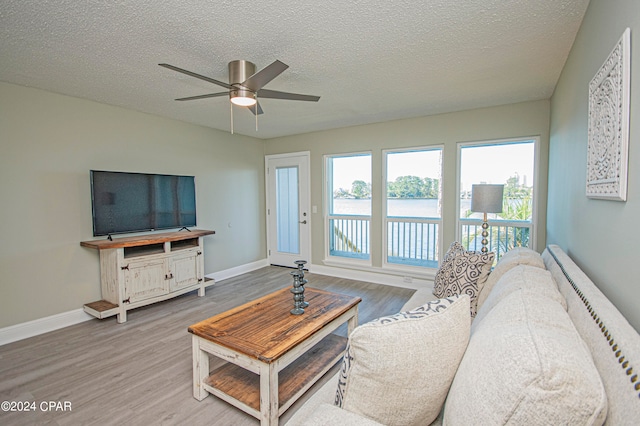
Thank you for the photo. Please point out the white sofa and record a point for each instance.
(535, 354)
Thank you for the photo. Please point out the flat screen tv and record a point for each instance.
(131, 202)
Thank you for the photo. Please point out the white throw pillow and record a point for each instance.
(462, 272)
(512, 258)
(397, 370)
(526, 364)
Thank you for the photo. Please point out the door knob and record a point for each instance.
(304, 222)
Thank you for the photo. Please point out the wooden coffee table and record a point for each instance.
(273, 356)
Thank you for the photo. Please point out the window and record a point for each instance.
(287, 217)
(513, 164)
(349, 205)
(413, 201)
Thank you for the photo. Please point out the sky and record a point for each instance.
(496, 164)
(348, 169)
(480, 164)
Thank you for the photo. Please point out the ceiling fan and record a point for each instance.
(246, 85)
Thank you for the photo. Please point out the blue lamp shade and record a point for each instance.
(486, 198)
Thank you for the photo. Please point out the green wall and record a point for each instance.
(601, 236)
(509, 121)
(49, 144)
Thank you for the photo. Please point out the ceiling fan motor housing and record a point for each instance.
(239, 71)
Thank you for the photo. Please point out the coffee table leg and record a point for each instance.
(353, 321)
(200, 368)
(269, 395)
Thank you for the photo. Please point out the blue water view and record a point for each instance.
(396, 207)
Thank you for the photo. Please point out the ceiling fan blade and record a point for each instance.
(201, 77)
(253, 109)
(265, 75)
(274, 94)
(210, 95)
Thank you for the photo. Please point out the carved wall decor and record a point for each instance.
(607, 152)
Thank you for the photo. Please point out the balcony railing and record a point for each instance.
(415, 242)
(412, 241)
(503, 235)
(349, 236)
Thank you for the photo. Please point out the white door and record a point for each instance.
(288, 201)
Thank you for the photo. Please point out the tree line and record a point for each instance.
(416, 187)
(402, 187)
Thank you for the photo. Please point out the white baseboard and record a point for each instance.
(238, 270)
(24, 330)
(373, 276)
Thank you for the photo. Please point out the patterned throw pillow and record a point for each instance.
(463, 272)
(405, 360)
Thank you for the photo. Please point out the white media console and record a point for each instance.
(138, 271)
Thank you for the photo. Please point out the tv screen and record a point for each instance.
(130, 202)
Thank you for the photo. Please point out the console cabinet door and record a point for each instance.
(183, 267)
(145, 278)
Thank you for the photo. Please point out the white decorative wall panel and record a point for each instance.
(607, 152)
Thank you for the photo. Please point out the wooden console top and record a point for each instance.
(143, 240)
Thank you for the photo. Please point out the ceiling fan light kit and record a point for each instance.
(240, 71)
(242, 97)
(246, 86)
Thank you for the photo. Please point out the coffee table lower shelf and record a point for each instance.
(235, 385)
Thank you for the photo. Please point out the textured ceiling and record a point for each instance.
(370, 61)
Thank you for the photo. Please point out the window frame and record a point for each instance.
(328, 216)
(536, 183)
(415, 269)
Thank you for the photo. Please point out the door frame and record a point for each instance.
(304, 199)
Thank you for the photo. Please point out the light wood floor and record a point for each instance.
(139, 372)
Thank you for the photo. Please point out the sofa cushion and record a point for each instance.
(462, 272)
(521, 253)
(397, 369)
(327, 414)
(526, 364)
(529, 279)
(512, 258)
